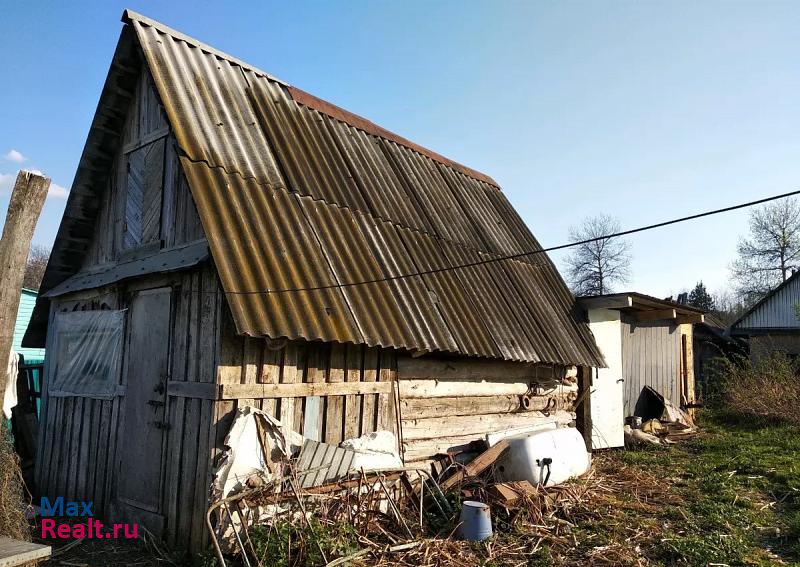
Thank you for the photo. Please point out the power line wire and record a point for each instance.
(521, 254)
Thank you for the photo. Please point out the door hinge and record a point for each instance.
(161, 425)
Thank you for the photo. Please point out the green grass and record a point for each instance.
(740, 485)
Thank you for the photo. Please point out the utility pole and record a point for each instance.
(27, 200)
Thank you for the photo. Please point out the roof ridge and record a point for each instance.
(314, 102)
(773, 292)
(129, 16)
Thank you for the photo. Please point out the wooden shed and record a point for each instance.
(646, 342)
(231, 240)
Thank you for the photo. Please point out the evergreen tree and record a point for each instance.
(699, 297)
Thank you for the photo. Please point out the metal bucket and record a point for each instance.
(476, 521)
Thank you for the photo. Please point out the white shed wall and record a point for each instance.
(606, 393)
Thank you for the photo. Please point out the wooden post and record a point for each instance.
(27, 200)
(583, 413)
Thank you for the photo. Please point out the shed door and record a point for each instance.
(651, 353)
(147, 363)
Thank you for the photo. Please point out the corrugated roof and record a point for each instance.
(295, 193)
(350, 202)
(776, 310)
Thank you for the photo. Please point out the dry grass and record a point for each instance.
(12, 491)
(546, 527)
(769, 388)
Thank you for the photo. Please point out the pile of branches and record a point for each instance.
(550, 524)
(583, 521)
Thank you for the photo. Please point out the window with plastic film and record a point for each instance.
(87, 353)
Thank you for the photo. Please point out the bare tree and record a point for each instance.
(34, 270)
(769, 254)
(728, 306)
(594, 267)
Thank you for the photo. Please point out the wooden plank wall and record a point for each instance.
(446, 403)
(77, 441)
(78, 454)
(197, 311)
(651, 356)
(247, 361)
(146, 134)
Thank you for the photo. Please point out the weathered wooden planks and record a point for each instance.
(477, 425)
(415, 408)
(14, 552)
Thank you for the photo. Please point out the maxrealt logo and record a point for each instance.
(72, 529)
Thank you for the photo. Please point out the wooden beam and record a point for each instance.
(612, 302)
(690, 318)
(452, 389)
(302, 390)
(583, 411)
(477, 465)
(199, 390)
(146, 139)
(25, 205)
(655, 314)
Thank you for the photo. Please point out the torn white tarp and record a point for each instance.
(247, 455)
(10, 397)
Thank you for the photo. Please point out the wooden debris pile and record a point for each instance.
(395, 517)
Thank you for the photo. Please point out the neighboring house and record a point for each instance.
(645, 342)
(27, 301)
(772, 324)
(230, 240)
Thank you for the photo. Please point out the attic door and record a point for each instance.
(145, 170)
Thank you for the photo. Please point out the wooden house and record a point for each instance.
(231, 240)
(773, 324)
(646, 342)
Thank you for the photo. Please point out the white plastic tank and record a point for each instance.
(549, 457)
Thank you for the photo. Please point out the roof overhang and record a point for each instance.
(643, 307)
(171, 260)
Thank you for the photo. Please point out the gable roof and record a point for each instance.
(297, 197)
(774, 311)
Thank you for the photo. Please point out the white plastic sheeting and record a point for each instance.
(88, 353)
(10, 396)
(245, 456)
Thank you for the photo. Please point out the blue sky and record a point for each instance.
(642, 110)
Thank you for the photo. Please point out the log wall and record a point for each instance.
(445, 403)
